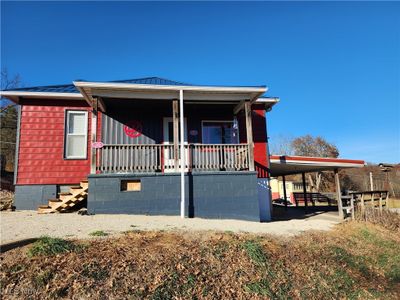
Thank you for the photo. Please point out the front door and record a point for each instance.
(169, 150)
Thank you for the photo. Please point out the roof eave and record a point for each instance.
(317, 161)
(268, 102)
(135, 86)
(15, 95)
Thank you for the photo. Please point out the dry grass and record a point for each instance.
(385, 218)
(356, 260)
(393, 203)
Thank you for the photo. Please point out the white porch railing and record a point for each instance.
(160, 158)
(208, 157)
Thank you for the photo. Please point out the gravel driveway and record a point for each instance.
(28, 224)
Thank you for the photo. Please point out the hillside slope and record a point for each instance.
(352, 261)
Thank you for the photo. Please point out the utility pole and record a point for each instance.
(371, 181)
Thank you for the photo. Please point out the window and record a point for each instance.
(219, 132)
(76, 134)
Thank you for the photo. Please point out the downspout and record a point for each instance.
(268, 163)
(183, 159)
(16, 157)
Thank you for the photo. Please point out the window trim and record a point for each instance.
(218, 121)
(66, 134)
(167, 120)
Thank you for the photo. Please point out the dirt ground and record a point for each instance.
(20, 225)
(354, 260)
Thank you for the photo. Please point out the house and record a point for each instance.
(277, 189)
(148, 146)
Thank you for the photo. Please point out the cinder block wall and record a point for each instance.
(29, 197)
(227, 195)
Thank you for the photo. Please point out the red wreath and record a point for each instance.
(133, 129)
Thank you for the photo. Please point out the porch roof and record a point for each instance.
(191, 93)
(142, 88)
(289, 165)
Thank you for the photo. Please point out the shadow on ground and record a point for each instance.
(280, 213)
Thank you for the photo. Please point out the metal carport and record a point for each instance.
(290, 165)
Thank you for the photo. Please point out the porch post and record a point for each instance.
(249, 134)
(183, 160)
(284, 190)
(93, 159)
(175, 120)
(338, 194)
(303, 177)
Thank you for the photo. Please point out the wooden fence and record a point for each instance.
(359, 201)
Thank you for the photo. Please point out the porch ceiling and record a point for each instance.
(289, 165)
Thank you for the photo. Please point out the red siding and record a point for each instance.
(260, 140)
(41, 149)
(259, 123)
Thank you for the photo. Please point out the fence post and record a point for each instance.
(371, 181)
(362, 206)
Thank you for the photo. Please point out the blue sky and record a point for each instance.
(335, 65)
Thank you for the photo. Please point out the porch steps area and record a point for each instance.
(66, 201)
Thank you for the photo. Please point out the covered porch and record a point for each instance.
(138, 137)
(178, 150)
(165, 129)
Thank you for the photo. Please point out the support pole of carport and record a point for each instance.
(183, 159)
(338, 194)
(284, 190)
(303, 176)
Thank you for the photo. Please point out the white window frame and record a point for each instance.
(167, 120)
(218, 121)
(67, 134)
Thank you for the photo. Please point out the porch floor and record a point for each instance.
(72, 225)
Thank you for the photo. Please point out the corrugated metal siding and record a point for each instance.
(41, 149)
(113, 131)
(120, 112)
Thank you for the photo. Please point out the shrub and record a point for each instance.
(98, 233)
(256, 252)
(43, 278)
(46, 245)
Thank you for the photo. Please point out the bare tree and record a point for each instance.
(281, 145)
(318, 147)
(7, 82)
(8, 121)
(314, 146)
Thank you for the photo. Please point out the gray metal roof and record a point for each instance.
(70, 88)
(63, 88)
(151, 80)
